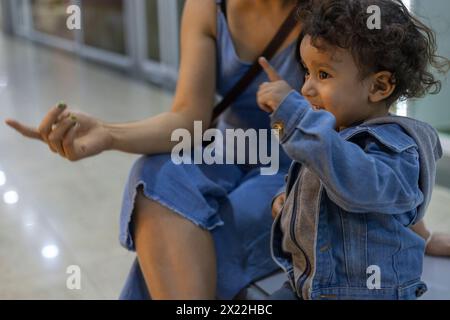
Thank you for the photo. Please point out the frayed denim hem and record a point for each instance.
(126, 239)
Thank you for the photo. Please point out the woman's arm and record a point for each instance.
(75, 135)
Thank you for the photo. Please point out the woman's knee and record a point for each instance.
(142, 203)
(148, 212)
(145, 209)
(147, 223)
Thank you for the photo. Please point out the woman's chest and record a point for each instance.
(251, 33)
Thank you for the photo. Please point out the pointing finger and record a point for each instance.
(269, 70)
(27, 131)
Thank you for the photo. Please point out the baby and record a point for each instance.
(360, 175)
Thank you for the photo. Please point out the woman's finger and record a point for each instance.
(62, 116)
(46, 126)
(26, 131)
(68, 143)
(56, 137)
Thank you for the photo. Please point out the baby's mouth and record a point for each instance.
(316, 107)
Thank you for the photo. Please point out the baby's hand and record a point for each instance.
(271, 94)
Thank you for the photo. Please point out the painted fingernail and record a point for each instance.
(73, 118)
(62, 105)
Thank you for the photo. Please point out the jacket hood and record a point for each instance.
(430, 151)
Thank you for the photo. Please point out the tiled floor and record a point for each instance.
(74, 207)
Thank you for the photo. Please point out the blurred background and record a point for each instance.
(120, 66)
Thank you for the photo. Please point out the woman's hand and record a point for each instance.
(277, 205)
(73, 135)
(271, 94)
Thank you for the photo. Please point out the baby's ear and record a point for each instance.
(382, 86)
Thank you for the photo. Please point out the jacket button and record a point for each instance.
(279, 127)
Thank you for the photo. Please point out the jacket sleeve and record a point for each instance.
(360, 179)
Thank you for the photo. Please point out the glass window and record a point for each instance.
(103, 24)
(153, 30)
(49, 16)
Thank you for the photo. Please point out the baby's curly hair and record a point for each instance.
(404, 45)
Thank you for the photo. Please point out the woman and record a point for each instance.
(200, 232)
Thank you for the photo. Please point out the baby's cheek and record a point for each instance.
(338, 97)
(332, 101)
(336, 104)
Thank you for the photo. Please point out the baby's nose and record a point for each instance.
(308, 89)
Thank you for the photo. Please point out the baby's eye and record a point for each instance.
(323, 75)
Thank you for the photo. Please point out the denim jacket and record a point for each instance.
(351, 197)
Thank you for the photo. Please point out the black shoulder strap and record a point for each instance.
(284, 31)
(223, 7)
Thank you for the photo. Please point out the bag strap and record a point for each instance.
(284, 31)
(223, 7)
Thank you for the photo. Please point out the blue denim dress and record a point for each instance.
(233, 202)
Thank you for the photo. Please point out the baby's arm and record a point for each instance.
(373, 179)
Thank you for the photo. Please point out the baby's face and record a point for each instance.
(333, 83)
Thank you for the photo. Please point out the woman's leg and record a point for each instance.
(438, 244)
(176, 257)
